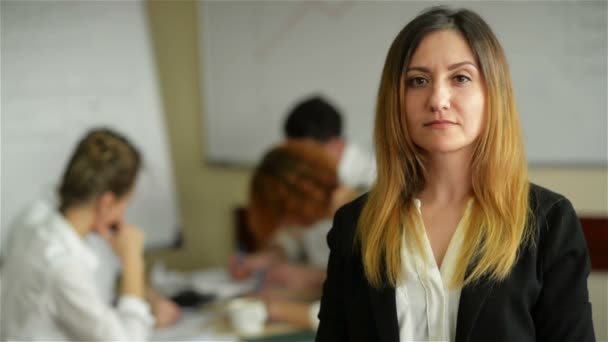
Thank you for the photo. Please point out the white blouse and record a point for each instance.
(427, 308)
(308, 242)
(49, 289)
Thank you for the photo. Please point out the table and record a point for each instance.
(209, 325)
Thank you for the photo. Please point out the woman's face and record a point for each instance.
(444, 94)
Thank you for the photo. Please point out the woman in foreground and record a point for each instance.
(453, 243)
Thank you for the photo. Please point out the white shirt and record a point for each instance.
(356, 168)
(312, 243)
(308, 242)
(427, 308)
(49, 287)
(108, 267)
(108, 264)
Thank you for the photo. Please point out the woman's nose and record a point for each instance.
(440, 98)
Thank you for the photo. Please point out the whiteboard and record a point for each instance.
(68, 67)
(259, 57)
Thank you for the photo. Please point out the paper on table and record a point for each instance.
(214, 281)
(192, 327)
(220, 283)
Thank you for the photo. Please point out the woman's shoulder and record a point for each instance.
(344, 225)
(349, 213)
(543, 200)
(556, 221)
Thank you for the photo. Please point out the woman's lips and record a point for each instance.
(440, 124)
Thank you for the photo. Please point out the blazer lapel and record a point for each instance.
(384, 309)
(472, 299)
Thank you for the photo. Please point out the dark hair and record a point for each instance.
(313, 118)
(102, 161)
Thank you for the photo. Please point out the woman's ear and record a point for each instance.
(335, 147)
(104, 203)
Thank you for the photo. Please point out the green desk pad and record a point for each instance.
(300, 336)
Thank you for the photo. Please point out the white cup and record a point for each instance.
(247, 315)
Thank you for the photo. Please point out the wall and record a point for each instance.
(273, 53)
(62, 76)
(208, 194)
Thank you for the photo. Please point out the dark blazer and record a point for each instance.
(544, 298)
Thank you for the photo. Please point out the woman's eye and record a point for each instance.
(417, 82)
(462, 79)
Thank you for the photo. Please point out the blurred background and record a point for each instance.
(202, 88)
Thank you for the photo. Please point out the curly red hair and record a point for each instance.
(294, 182)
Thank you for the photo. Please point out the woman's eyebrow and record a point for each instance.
(451, 67)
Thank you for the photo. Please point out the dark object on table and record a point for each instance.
(192, 299)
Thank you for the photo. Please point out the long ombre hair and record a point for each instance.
(497, 223)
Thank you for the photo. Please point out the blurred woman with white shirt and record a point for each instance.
(49, 289)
